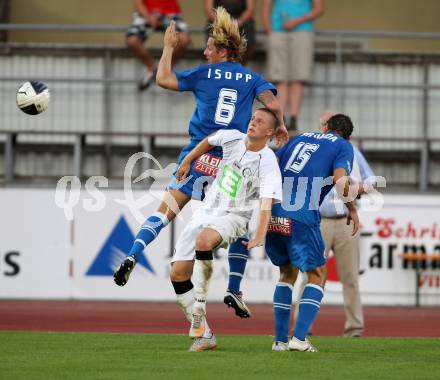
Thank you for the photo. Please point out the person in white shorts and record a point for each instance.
(249, 171)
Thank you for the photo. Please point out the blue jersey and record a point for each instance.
(224, 93)
(307, 164)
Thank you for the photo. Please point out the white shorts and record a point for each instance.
(229, 226)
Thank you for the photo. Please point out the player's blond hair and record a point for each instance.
(226, 34)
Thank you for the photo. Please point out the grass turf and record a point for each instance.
(35, 355)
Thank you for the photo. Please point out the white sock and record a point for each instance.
(186, 302)
(208, 332)
(202, 274)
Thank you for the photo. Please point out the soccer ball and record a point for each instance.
(33, 97)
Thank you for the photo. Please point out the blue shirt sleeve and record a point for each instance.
(262, 85)
(344, 158)
(187, 79)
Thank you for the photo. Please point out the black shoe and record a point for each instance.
(147, 80)
(236, 302)
(124, 270)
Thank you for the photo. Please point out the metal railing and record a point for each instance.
(98, 28)
(335, 90)
(146, 143)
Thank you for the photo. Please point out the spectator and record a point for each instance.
(151, 15)
(5, 6)
(289, 26)
(243, 12)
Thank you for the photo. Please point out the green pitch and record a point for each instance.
(28, 355)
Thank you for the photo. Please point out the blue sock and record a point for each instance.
(308, 310)
(282, 300)
(149, 231)
(237, 257)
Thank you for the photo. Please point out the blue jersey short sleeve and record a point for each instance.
(344, 158)
(187, 79)
(261, 85)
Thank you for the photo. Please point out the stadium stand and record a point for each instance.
(391, 96)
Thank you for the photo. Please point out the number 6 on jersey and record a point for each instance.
(225, 110)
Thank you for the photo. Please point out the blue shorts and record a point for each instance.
(202, 172)
(291, 242)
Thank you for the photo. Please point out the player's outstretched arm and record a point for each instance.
(202, 147)
(269, 100)
(342, 183)
(263, 223)
(165, 77)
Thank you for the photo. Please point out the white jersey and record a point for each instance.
(243, 176)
